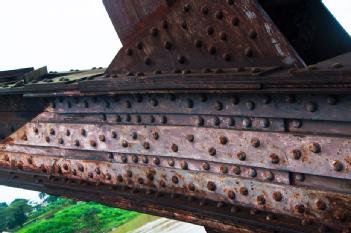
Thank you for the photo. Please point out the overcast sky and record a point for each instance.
(70, 34)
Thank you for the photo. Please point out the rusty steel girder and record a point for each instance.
(211, 113)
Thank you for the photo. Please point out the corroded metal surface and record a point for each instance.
(199, 34)
(206, 115)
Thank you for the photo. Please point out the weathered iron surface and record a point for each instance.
(169, 35)
(207, 115)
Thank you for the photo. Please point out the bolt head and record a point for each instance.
(206, 166)
(241, 156)
(277, 196)
(243, 191)
(314, 147)
(211, 186)
(337, 165)
(255, 142)
(296, 154)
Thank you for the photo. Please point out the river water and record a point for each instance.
(150, 224)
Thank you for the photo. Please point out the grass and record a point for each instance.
(65, 216)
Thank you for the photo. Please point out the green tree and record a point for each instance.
(3, 223)
(17, 212)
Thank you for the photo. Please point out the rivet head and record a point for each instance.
(236, 170)
(124, 158)
(129, 173)
(184, 165)
(264, 123)
(321, 205)
(337, 165)
(296, 124)
(125, 144)
(274, 158)
(167, 45)
(102, 138)
(248, 52)
(243, 191)
(332, 100)
(175, 179)
(145, 159)
(129, 52)
(212, 50)
(235, 21)
(147, 61)
(190, 138)
(218, 106)
(241, 156)
(255, 142)
(296, 154)
(260, 200)
(219, 15)
(314, 147)
(269, 176)
(223, 140)
(223, 169)
(311, 107)
(135, 158)
(300, 177)
(270, 217)
(250, 105)
(231, 195)
(216, 121)
(252, 34)
(191, 187)
(212, 151)
(65, 167)
(252, 173)
(76, 143)
(155, 135)
(223, 36)
(200, 121)
(277, 196)
(140, 180)
(60, 141)
(247, 123)
(93, 143)
(80, 168)
(181, 59)
(146, 145)
(198, 43)
(205, 166)
(211, 186)
(154, 102)
(266, 99)
(300, 208)
(52, 131)
(171, 163)
(189, 103)
(174, 147)
(156, 161)
(35, 130)
(154, 31)
(204, 10)
(210, 30)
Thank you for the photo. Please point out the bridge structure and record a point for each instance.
(232, 114)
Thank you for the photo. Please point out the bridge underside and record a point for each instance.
(208, 115)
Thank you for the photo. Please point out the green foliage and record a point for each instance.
(14, 215)
(68, 216)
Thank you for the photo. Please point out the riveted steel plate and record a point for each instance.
(304, 154)
(196, 34)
